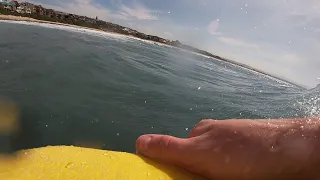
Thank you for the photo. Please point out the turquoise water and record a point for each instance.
(76, 87)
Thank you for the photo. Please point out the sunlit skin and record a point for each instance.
(242, 149)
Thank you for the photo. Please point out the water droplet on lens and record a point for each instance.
(246, 170)
(274, 149)
(69, 165)
(227, 160)
(199, 88)
(47, 125)
(190, 109)
(145, 102)
(118, 134)
(217, 149)
(187, 129)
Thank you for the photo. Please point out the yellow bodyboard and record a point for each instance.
(77, 163)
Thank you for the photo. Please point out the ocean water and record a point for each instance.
(80, 87)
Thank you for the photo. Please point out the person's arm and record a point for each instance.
(312, 169)
(243, 149)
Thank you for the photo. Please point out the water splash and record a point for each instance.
(309, 104)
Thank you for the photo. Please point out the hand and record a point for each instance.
(241, 149)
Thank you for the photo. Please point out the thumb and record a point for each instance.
(165, 148)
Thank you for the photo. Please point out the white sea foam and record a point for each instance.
(72, 29)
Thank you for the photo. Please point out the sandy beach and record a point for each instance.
(27, 19)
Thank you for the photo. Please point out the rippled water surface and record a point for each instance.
(79, 87)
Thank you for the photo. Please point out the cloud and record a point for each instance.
(168, 34)
(138, 11)
(292, 12)
(80, 7)
(91, 8)
(294, 67)
(237, 42)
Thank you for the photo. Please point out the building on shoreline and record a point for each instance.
(8, 5)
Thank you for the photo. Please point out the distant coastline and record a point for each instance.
(29, 12)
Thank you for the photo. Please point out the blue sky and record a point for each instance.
(281, 37)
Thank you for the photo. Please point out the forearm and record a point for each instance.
(302, 144)
(295, 148)
(311, 170)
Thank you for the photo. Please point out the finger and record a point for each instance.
(201, 128)
(165, 148)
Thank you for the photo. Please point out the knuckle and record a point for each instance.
(206, 122)
(165, 143)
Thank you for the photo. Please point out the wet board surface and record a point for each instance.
(75, 163)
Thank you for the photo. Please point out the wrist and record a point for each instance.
(300, 143)
(311, 170)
